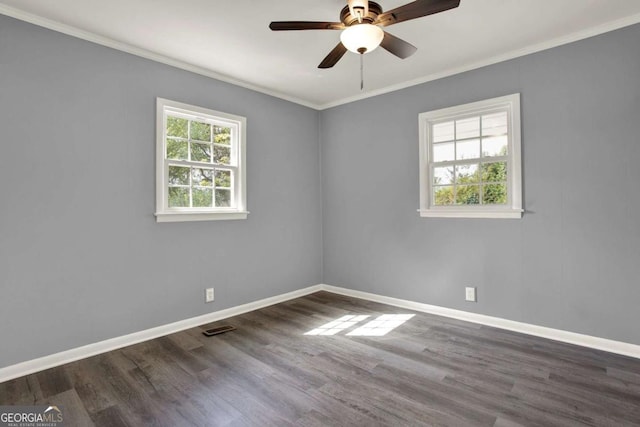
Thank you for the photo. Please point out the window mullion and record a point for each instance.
(455, 141)
(176, 162)
(189, 140)
(455, 159)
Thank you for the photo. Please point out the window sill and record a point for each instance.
(463, 213)
(199, 216)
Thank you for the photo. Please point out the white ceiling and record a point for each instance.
(230, 40)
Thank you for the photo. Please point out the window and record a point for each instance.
(200, 169)
(470, 163)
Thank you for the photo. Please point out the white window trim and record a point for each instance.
(514, 207)
(163, 212)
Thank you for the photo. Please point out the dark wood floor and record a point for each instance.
(428, 371)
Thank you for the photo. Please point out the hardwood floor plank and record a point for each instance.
(53, 381)
(184, 341)
(74, 412)
(558, 401)
(630, 378)
(252, 407)
(20, 391)
(504, 422)
(135, 403)
(110, 417)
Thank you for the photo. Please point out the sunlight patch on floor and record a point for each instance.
(381, 326)
(332, 328)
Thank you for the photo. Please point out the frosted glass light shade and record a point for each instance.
(362, 36)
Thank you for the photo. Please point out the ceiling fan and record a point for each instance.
(361, 22)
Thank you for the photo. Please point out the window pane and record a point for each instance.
(202, 177)
(494, 194)
(443, 132)
(177, 149)
(222, 135)
(494, 124)
(467, 174)
(223, 198)
(200, 131)
(494, 172)
(223, 179)
(222, 155)
(443, 196)
(178, 197)
(468, 149)
(468, 128)
(443, 175)
(178, 175)
(444, 152)
(177, 127)
(468, 195)
(202, 197)
(201, 152)
(494, 146)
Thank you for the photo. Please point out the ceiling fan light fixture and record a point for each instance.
(361, 22)
(362, 38)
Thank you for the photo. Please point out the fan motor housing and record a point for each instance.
(347, 18)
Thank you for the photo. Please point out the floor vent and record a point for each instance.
(219, 330)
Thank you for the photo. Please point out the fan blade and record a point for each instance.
(305, 25)
(333, 57)
(398, 47)
(413, 10)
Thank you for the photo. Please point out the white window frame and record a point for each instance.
(238, 124)
(513, 208)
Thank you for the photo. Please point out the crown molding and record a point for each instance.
(143, 53)
(549, 44)
(147, 54)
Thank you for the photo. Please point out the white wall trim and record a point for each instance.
(618, 347)
(68, 356)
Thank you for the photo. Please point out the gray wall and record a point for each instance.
(572, 262)
(81, 256)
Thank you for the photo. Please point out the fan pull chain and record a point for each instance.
(361, 71)
(361, 51)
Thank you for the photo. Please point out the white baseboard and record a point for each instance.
(57, 359)
(618, 347)
(67, 356)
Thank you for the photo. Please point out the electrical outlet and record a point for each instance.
(470, 294)
(208, 295)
